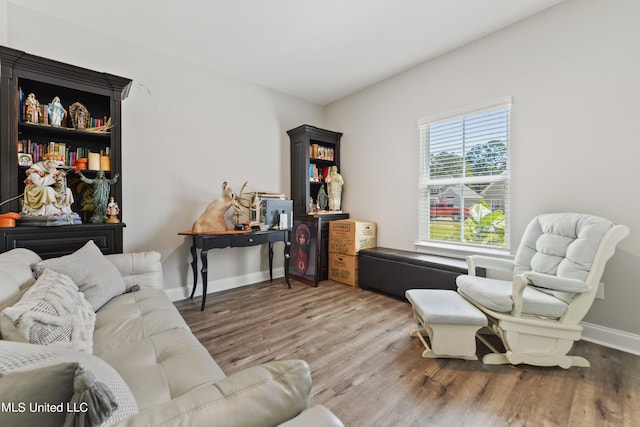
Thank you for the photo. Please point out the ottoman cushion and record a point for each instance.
(443, 306)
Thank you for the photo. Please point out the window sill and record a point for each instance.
(459, 251)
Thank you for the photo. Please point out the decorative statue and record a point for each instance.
(32, 110)
(79, 115)
(334, 186)
(322, 199)
(46, 192)
(56, 112)
(112, 211)
(212, 219)
(101, 189)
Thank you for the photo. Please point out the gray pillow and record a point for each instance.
(66, 376)
(96, 277)
(24, 391)
(52, 311)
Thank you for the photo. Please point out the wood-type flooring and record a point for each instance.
(369, 371)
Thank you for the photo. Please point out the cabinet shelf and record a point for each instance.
(318, 161)
(62, 132)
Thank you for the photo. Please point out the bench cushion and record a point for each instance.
(442, 306)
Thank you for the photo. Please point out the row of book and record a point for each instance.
(317, 151)
(38, 150)
(317, 174)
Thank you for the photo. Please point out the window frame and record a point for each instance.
(460, 248)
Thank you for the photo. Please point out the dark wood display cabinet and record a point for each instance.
(313, 152)
(101, 94)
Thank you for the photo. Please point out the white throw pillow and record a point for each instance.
(51, 311)
(96, 277)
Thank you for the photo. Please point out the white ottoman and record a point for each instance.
(450, 321)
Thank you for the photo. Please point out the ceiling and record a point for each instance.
(315, 50)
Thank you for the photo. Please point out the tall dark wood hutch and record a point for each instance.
(102, 94)
(313, 152)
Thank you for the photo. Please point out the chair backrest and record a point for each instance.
(561, 244)
(569, 246)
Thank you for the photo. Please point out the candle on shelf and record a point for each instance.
(94, 161)
(105, 163)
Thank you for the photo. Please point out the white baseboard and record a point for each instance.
(177, 294)
(612, 338)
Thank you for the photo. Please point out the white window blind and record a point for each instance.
(464, 177)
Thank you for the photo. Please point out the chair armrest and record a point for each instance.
(491, 263)
(139, 268)
(518, 286)
(267, 394)
(556, 283)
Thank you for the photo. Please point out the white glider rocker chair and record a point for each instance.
(556, 272)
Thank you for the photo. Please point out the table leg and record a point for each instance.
(205, 269)
(194, 267)
(287, 256)
(271, 261)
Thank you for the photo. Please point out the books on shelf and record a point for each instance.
(317, 151)
(317, 174)
(70, 155)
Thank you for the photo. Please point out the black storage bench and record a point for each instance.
(394, 271)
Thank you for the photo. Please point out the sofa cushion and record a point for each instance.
(140, 268)
(133, 317)
(16, 274)
(21, 357)
(316, 416)
(264, 395)
(96, 277)
(163, 366)
(52, 311)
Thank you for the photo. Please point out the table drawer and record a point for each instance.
(249, 240)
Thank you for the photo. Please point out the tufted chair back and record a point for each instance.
(561, 244)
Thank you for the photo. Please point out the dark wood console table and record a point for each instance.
(234, 239)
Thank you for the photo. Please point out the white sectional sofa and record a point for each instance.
(127, 335)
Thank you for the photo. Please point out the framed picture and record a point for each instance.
(305, 249)
(25, 159)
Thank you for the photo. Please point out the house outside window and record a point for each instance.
(464, 177)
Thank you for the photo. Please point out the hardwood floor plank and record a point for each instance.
(369, 371)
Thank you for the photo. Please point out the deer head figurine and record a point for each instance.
(212, 219)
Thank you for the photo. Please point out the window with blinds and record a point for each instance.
(464, 177)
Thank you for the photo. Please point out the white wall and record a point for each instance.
(185, 130)
(573, 72)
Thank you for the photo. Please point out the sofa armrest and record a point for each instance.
(316, 416)
(139, 268)
(263, 395)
